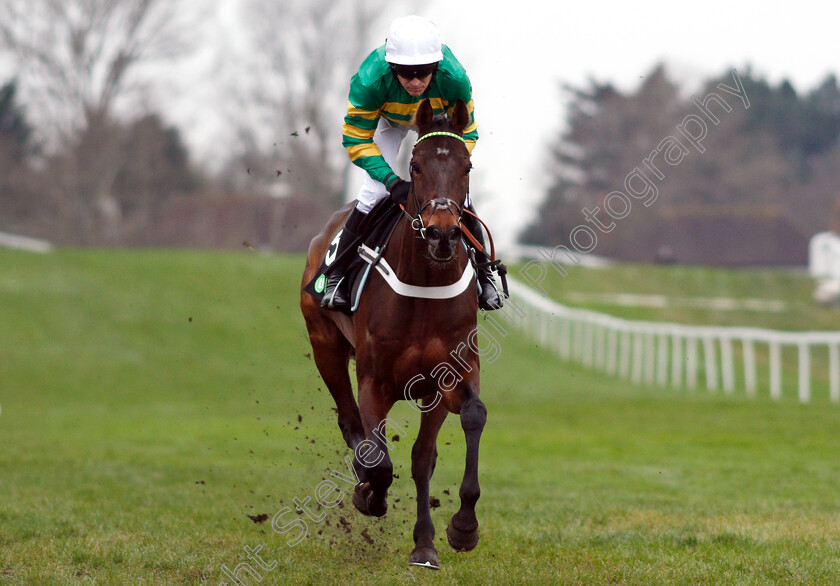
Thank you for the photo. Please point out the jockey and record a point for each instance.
(412, 66)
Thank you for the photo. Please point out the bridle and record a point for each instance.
(445, 203)
(438, 203)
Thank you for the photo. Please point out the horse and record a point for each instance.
(404, 345)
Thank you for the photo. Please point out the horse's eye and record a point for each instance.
(468, 169)
(415, 168)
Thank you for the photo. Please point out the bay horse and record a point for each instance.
(403, 342)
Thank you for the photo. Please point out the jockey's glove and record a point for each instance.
(399, 191)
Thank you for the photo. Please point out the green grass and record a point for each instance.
(151, 401)
(682, 284)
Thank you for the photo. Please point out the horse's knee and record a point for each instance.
(473, 414)
(423, 449)
(422, 458)
(417, 451)
(417, 459)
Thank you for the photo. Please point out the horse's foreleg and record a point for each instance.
(423, 457)
(371, 498)
(462, 532)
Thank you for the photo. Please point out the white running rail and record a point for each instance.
(24, 243)
(669, 354)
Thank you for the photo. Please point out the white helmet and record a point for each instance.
(413, 40)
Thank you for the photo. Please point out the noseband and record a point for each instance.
(438, 203)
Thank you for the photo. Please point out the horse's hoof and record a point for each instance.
(363, 501)
(425, 557)
(461, 540)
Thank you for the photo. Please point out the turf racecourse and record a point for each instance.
(153, 403)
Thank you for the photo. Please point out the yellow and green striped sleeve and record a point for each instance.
(363, 113)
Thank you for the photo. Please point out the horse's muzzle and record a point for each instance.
(443, 243)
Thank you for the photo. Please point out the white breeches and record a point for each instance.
(388, 137)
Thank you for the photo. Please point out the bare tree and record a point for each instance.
(309, 50)
(76, 57)
(75, 60)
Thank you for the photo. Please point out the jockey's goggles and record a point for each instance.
(410, 72)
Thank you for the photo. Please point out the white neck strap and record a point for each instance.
(441, 292)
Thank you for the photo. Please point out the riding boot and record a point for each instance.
(336, 293)
(488, 296)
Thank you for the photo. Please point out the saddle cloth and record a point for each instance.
(376, 230)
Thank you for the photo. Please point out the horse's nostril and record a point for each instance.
(453, 234)
(434, 234)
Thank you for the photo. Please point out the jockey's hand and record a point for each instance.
(399, 191)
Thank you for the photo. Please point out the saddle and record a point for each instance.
(375, 232)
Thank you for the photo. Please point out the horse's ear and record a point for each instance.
(460, 116)
(425, 114)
